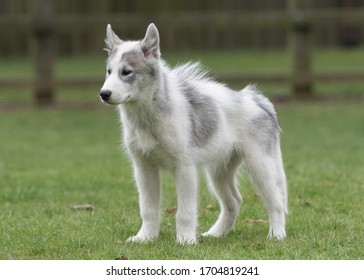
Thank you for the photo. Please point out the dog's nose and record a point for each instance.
(105, 95)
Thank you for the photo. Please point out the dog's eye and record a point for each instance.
(108, 71)
(126, 72)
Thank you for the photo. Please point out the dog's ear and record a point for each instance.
(111, 40)
(150, 43)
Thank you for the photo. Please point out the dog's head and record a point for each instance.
(132, 67)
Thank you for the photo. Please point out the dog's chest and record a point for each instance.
(151, 146)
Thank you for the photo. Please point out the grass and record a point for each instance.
(53, 159)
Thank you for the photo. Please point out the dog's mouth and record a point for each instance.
(106, 97)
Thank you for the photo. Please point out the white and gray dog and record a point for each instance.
(180, 119)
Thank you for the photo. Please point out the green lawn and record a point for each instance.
(53, 159)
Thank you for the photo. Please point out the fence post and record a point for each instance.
(43, 33)
(302, 84)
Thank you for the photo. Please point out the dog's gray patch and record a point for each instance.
(137, 61)
(133, 58)
(265, 127)
(265, 132)
(129, 77)
(266, 106)
(203, 115)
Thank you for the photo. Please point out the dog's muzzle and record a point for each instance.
(105, 95)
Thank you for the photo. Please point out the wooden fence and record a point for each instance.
(298, 22)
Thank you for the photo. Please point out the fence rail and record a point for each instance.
(43, 26)
(272, 78)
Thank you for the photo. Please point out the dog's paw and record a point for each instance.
(215, 233)
(276, 234)
(209, 234)
(140, 239)
(186, 240)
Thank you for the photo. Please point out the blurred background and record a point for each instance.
(51, 51)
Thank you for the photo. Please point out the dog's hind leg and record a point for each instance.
(222, 181)
(267, 174)
(281, 178)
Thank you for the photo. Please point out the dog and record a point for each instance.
(181, 120)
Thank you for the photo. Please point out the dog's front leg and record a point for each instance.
(186, 219)
(148, 182)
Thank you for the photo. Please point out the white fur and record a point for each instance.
(156, 118)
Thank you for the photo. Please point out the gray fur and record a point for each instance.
(203, 115)
(127, 78)
(265, 127)
(133, 58)
(136, 60)
(265, 133)
(267, 107)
